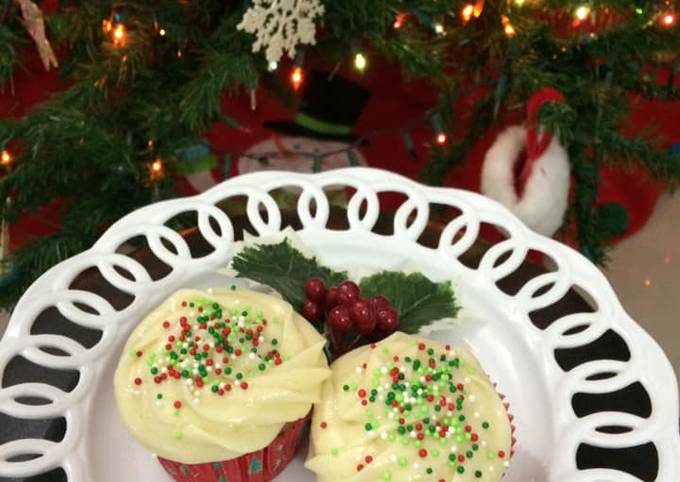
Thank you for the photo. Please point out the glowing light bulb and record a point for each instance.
(668, 19)
(119, 35)
(479, 8)
(272, 66)
(467, 12)
(399, 21)
(441, 138)
(156, 169)
(5, 157)
(296, 77)
(648, 282)
(582, 12)
(107, 26)
(439, 28)
(360, 62)
(162, 32)
(507, 26)
(519, 3)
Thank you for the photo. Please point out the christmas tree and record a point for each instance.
(144, 79)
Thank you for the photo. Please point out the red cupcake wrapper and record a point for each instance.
(259, 466)
(511, 418)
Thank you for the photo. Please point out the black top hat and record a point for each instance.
(330, 107)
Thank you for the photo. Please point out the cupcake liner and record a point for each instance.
(511, 418)
(259, 466)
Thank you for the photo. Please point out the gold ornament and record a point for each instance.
(35, 25)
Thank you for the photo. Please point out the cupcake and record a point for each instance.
(406, 409)
(219, 384)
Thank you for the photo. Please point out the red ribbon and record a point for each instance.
(536, 144)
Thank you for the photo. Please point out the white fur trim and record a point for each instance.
(545, 198)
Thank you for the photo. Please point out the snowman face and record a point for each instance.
(282, 154)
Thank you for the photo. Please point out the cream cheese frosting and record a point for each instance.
(407, 409)
(210, 376)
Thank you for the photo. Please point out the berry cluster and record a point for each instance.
(345, 309)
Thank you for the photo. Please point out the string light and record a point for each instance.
(296, 78)
(272, 66)
(5, 158)
(399, 21)
(467, 12)
(439, 29)
(156, 169)
(162, 32)
(668, 19)
(441, 138)
(179, 53)
(119, 35)
(582, 12)
(360, 62)
(507, 26)
(116, 31)
(478, 9)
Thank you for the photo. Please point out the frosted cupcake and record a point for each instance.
(407, 409)
(218, 384)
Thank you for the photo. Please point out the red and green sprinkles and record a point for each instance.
(199, 348)
(425, 395)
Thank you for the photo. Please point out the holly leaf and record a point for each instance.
(283, 268)
(418, 300)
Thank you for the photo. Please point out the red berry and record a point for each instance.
(363, 317)
(312, 311)
(339, 319)
(348, 292)
(379, 303)
(315, 289)
(387, 320)
(331, 298)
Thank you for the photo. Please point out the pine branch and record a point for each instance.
(659, 163)
(9, 42)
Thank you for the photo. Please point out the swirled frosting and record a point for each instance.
(210, 376)
(407, 409)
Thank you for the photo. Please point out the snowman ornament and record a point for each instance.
(319, 138)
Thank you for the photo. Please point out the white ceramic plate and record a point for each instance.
(519, 356)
